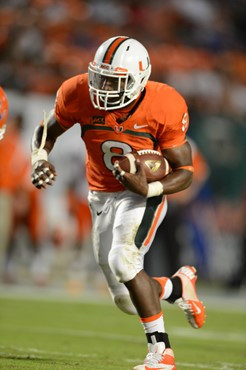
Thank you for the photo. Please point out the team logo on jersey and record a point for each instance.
(118, 129)
(100, 120)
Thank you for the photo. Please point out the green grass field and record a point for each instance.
(62, 334)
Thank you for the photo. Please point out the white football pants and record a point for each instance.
(124, 226)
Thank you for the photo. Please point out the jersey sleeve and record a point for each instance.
(172, 132)
(68, 104)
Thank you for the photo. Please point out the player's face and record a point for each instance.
(109, 89)
(109, 83)
(112, 84)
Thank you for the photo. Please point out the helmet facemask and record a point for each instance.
(113, 89)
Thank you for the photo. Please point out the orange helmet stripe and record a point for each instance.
(108, 57)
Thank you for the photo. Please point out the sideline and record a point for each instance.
(215, 300)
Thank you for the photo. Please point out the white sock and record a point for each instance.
(153, 323)
(166, 287)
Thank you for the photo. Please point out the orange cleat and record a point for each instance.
(159, 358)
(190, 303)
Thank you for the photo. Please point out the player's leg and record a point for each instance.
(135, 225)
(183, 293)
(102, 210)
(180, 288)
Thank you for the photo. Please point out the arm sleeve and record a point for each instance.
(66, 105)
(172, 132)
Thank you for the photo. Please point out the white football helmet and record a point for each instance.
(118, 73)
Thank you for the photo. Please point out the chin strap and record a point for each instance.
(39, 154)
(44, 136)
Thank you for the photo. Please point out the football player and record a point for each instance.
(119, 111)
(3, 112)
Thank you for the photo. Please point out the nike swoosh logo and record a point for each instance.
(136, 126)
(98, 213)
(198, 310)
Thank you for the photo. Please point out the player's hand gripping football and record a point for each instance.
(135, 182)
(43, 174)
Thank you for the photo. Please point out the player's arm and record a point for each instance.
(180, 178)
(180, 160)
(43, 172)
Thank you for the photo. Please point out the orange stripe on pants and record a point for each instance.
(154, 223)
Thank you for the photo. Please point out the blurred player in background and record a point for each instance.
(3, 112)
(119, 111)
(4, 202)
(20, 207)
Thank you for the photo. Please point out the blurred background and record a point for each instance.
(197, 46)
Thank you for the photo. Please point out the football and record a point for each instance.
(155, 165)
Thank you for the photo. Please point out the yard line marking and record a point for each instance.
(27, 356)
(208, 334)
(75, 333)
(52, 353)
(176, 331)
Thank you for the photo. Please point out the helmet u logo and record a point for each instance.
(140, 64)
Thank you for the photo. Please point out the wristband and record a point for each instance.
(154, 189)
(39, 155)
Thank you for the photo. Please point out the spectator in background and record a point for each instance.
(222, 140)
(202, 42)
(79, 267)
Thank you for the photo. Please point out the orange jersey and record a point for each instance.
(14, 163)
(159, 122)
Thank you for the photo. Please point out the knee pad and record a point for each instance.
(125, 262)
(124, 303)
